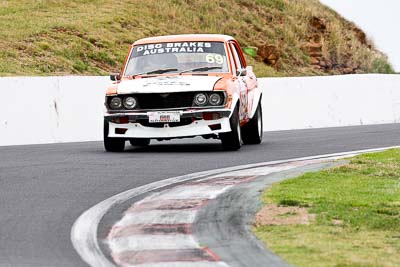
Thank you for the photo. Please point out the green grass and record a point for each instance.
(93, 36)
(363, 196)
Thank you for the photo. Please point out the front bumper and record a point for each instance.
(193, 124)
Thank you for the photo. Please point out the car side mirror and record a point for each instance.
(115, 77)
(241, 72)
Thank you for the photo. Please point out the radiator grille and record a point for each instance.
(167, 100)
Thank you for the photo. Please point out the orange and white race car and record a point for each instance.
(182, 86)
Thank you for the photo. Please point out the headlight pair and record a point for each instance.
(129, 102)
(202, 99)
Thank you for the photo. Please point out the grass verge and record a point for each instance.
(92, 37)
(357, 214)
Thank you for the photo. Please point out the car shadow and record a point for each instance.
(176, 148)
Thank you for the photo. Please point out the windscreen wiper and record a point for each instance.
(200, 69)
(157, 71)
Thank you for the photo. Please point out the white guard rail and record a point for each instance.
(37, 110)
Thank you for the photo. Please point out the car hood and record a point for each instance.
(168, 84)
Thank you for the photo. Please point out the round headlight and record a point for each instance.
(215, 99)
(116, 103)
(200, 99)
(130, 102)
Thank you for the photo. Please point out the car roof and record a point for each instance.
(185, 38)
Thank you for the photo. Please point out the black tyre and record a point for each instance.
(233, 139)
(252, 132)
(139, 141)
(112, 144)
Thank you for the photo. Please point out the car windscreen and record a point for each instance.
(177, 57)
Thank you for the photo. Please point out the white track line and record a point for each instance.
(157, 217)
(152, 242)
(84, 230)
(185, 192)
(184, 264)
(257, 171)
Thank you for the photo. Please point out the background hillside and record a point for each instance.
(92, 37)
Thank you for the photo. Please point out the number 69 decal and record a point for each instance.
(215, 58)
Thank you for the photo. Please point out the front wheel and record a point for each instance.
(252, 132)
(233, 139)
(112, 144)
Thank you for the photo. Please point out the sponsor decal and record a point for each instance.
(244, 99)
(165, 81)
(176, 47)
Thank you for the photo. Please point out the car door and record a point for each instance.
(239, 78)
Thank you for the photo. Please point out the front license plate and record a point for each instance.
(160, 116)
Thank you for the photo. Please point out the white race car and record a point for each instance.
(182, 86)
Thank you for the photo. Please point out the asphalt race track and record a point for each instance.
(44, 188)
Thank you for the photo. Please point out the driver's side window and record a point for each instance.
(238, 62)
